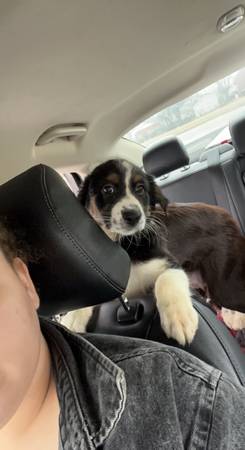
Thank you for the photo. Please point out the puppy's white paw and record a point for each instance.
(233, 319)
(178, 317)
(77, 320)
(180, 322)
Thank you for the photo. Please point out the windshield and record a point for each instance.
(201, 120)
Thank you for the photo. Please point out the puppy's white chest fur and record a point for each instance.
(143, 276)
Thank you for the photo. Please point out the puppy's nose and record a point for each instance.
(131, 216)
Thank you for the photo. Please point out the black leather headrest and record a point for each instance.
(164, 157)
(237, 131)
(77, 264)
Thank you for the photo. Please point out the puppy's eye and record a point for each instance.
(108, 189)
(139, 189)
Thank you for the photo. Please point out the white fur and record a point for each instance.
(177, 314)
(77, 320)
(233, 319)
(171, 286)
(143, 276)
(129, 201)
(141, 279)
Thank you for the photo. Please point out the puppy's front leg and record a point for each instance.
(178, 317)
(77, 320)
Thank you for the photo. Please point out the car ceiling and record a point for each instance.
(106, 63)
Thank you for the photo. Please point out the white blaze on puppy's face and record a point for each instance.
(127, 215)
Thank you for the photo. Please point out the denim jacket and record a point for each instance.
(118, 393)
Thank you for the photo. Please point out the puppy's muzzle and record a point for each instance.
(131, 216)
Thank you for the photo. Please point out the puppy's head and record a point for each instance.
(120, 197)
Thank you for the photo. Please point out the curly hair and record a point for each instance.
(9, 245)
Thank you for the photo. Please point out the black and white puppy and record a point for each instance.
(122, 199)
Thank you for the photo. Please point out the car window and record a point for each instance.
(201, 120)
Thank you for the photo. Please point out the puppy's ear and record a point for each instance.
(156, 195)
(83, 194)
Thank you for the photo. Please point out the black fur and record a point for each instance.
(94, 183)
(206, 239)
(142, 246)
(200, 237)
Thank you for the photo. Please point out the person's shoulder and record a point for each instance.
(125, 351)
(118, 348)
(131, 354)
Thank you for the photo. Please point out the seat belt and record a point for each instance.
(218, 179)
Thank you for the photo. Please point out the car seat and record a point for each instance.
(76, 265)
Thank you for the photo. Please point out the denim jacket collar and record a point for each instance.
(90, 387)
